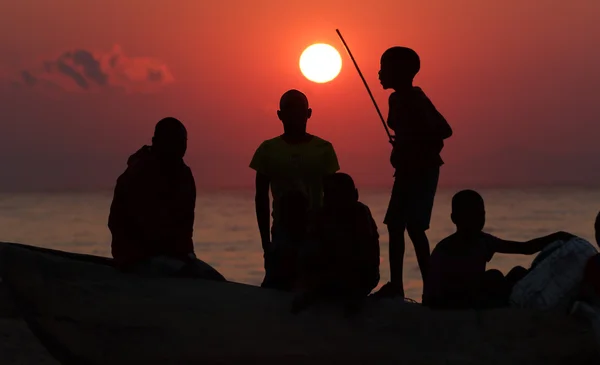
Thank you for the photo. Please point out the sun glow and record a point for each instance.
(320, 63)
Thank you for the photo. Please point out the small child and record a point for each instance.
(457, 277)
(347, 262)
(420, 131)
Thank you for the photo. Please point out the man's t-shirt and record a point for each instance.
(456, 267)
(298, 167)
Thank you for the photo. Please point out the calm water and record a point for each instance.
(226, 235)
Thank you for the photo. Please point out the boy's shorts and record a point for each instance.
(412, 199)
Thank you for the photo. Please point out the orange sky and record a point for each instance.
(517, 79)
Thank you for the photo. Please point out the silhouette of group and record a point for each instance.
(323, 242)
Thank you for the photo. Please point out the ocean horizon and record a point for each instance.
(226, 234)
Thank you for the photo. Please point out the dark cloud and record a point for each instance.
(91, 67)
(155, 75)
(74, 75)
(113, 61)
(84, 70)
(28, 78)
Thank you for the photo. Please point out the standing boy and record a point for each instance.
(293, 161)
(419, 134)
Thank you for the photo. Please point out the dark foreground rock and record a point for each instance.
(89, 313)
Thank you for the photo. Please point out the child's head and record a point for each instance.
(399, 66)
(294, 112)
(170, 138)
(339, 189)
(294, 207)
(468, 211)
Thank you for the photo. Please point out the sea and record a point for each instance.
(226, 234)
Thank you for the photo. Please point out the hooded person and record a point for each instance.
(152, 213)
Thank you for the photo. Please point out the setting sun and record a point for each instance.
(320, 63)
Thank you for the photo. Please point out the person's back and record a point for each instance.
(348, 237)
(294, 161)
(419, 130)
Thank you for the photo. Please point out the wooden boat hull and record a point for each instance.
(86, 313)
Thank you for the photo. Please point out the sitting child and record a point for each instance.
(346, 262)
(457, 277)
(591, 277)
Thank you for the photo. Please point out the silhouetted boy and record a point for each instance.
(457, 277)
(346, 264)
(152, 214)
(419, 134)
(295, 160)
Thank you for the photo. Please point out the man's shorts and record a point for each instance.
(412, 199)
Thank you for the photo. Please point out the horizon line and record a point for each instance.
(367, 187)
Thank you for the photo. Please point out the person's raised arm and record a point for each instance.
(263, 209)
(529, 247)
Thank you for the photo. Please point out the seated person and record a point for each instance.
(457, 276)
(152, 213)
(590, 291)
(346, 263)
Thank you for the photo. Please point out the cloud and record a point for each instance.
(83, 70)
(28, 78)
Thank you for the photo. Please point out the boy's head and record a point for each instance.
(294, 112)
(294, 207)
(399, 66)
(339, 189)
(170, 138)
(468, 211)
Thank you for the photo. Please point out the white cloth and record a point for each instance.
(554, 282)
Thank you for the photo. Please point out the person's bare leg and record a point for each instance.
(422, 249)
(397, 246)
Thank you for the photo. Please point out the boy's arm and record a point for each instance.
(529, 247)
(263, 209)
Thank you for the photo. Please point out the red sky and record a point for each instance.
(82, 84)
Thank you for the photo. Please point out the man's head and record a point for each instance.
(399, 66)
(170, 138)
(339, 189)
(468, 211)
(294, 112)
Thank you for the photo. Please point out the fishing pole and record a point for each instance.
(366, 86)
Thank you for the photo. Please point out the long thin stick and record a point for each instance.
(366, 86)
